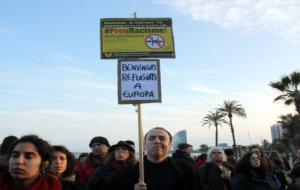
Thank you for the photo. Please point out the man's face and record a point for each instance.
(157, 144)
(188, 150)
(99, 149)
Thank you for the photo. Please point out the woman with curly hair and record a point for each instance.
(251, 174)
(63, 165)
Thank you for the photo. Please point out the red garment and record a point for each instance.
(199, 163)
(41, 183)
(85, 169)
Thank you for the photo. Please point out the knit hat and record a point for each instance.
(121, 143)
(182, 146)
(100, 140)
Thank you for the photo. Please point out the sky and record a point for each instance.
(54, 84)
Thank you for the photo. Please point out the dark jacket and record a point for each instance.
(73, 183)
(103, 178)
(211, 177)
(170, 174)
(252, 181)
(181, 155)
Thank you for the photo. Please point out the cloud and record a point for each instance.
(6, 31)
(279, 17)
(200, 88)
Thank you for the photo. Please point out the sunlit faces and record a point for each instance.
(58, 163)
(255, 160)
(25, 162)
(157, 144)
(121, 153)
(99, 149)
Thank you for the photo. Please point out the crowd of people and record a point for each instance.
(31, 163)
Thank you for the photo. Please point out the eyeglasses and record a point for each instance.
(254, 158)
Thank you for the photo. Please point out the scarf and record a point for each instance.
(118, 166)
(41, 183)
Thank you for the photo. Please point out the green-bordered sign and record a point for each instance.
(139, 81)
(136, 38)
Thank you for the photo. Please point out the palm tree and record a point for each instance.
(230, 108)
(214, 118)
(289, 86)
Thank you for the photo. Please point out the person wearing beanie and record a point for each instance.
(184, 153)
(86, 167)
(119, 157)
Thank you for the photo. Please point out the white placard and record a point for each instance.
(139, 81)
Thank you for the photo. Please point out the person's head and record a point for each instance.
(187, 148)
(256, 149)
(62, 162)
(250, 161)
(122, 152)
(99, 146)
(229, 152)
(158, 143)
(216, 154)
(203, 156)
(83, 155)
(260, 152)
(131, 143)
(29, 158)
(275, 155)
(6, 144)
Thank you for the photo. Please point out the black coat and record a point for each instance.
(252, 181)
(181, 155)
(171, 174)
(103, 178)
(211, 177)
(74, 184)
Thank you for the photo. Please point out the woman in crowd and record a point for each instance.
(216, 173)
(5, 152)
(63, 165)
(278, 169)
(119, 156)
(27, 164)
(251, 174)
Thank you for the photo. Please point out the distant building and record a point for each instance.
(179, 137)
(223, 145)
(276, 131)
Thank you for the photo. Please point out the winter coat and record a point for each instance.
(41, 183)
(73, 183)
(103, 178)
(211, 177)
(170, 174)
(252, 181)
(181, 155)
(86, 168)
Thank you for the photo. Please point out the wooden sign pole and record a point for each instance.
(141, 144)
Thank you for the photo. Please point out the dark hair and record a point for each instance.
(244, 166)
(110, 157)
(42, 146)
(264, 158)
(161, 128)
(229, 152)
(7, 143)
(71, 162)
(130, 142)
(83, 155)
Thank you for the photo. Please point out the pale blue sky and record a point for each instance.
(54, 84)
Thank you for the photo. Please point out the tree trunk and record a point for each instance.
(216, 135)
(233, 138)
(297, 104)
